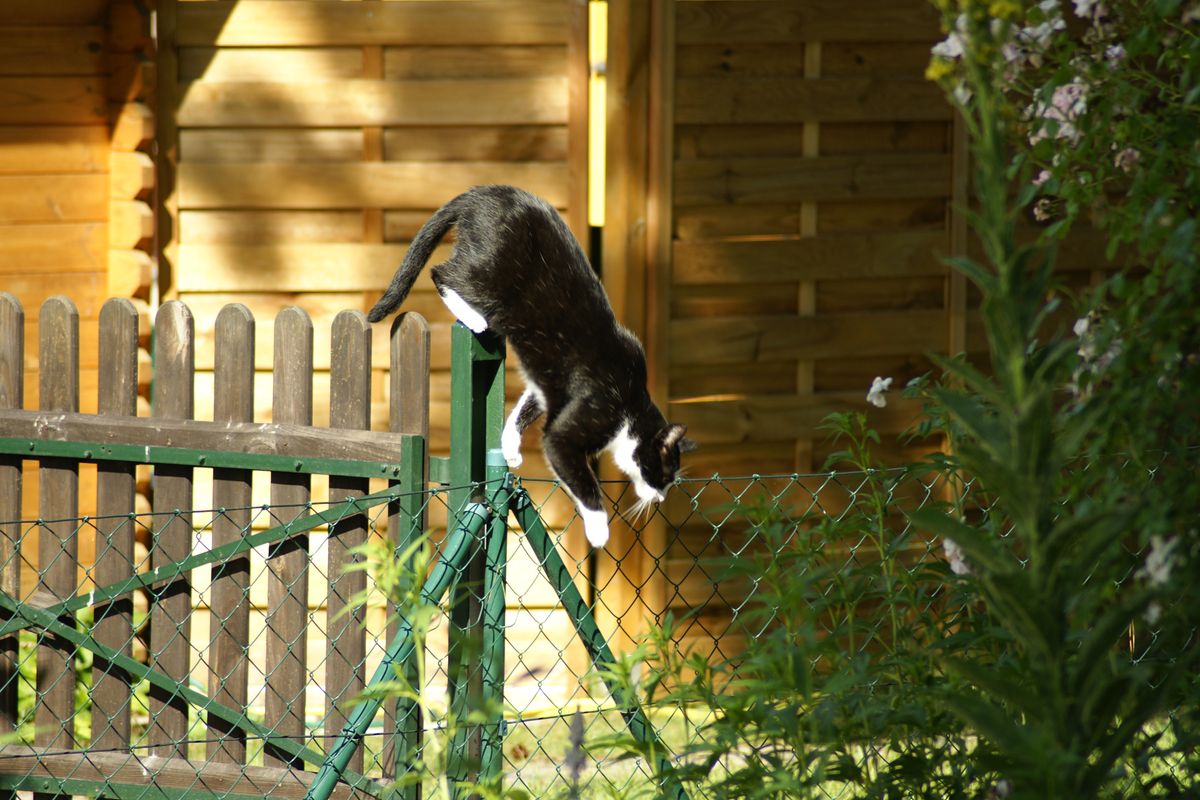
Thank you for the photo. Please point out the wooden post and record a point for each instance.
(12, 396)
(58, 540)
(229, 611)
(287, 561)
(408, 413)
(345, 637)
(115, 523)
(170, 614)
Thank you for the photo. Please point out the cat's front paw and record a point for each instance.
(595, 526)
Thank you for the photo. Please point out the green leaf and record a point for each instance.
(994, 681)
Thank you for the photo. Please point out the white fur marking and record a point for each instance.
(510, 437)
(622, 447)
(595, 526)
(463, 312)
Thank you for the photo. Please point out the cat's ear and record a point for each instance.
(674, 435)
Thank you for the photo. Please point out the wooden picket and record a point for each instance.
(56, 569)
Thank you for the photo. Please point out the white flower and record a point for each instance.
(1153, 612)
(952, 46)
(1126, 160)
(955, 557)
(878, 387)
(1158, 560)
(1115, 52)
(1083, 8)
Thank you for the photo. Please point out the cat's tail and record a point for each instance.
(418, 254)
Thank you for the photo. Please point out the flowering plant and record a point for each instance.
(1082, 434)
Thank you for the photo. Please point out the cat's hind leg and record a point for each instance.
(571, 466)
(528, 408)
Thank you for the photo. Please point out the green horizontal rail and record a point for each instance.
(190, 457)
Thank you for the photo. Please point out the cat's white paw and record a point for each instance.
(595, 527)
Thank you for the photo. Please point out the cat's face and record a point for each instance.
(657, 460)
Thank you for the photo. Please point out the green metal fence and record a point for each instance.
(110, 686)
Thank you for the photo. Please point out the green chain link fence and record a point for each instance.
(515, 653)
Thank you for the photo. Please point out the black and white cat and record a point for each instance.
(517, 269)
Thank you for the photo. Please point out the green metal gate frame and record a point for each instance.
(482, 495)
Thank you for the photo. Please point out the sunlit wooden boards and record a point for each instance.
(314, 137)
(54, 164)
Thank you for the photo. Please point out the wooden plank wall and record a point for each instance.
(810, 177)
(310, 140)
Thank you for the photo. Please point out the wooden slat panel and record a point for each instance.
(704, 100)
(870, 216)
(287, 561)
(816, 20)
(783, 140)
(53, 198)
(115, 502)
(878, 59)
(477, 142)
(266, 226)
(77, 100)
(743, 339)
(345, 642)
(52, 51)
(875, 294)
(292, 23)
(698, 380)
(229, 601)
(269, 64)
(12, 396)
(898, 254)
(425, 63)
(170, 625)
(53, 149)
(270, 145)
(363, 185)
(67, 247)
(58, 540)
(796, 180)
(775, 417)
(734, 299)
(291, 267)
(489, 101)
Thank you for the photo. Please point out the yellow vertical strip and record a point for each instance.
(597, 120)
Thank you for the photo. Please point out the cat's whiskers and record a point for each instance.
(639, 511)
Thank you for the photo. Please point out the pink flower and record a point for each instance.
(1126, 160)
(1041, 178)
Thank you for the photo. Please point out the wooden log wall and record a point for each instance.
(75, 176)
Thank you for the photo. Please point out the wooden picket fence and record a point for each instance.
(54, 580)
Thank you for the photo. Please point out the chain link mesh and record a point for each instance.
(669, 567)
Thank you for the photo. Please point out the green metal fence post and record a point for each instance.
(593, 640)
(458, 548)
(476, 419)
